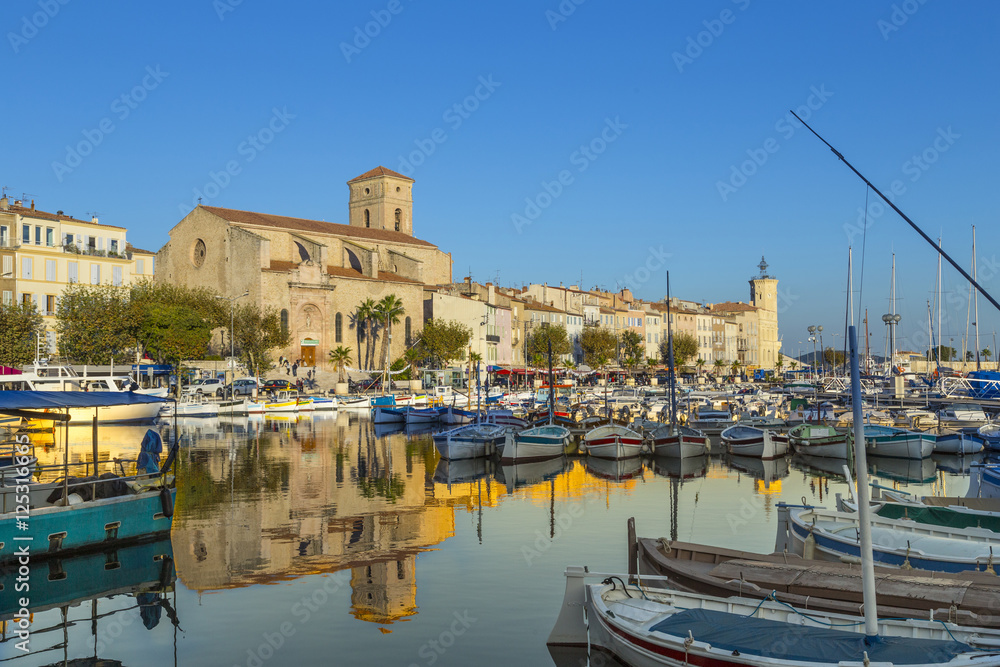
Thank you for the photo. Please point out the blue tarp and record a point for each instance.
(782, 641)
(41, 400)
(984, 389)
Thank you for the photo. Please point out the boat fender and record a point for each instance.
(166, 502)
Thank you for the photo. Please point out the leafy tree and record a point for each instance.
(414, 356)
(599, 345)
(632, 350)
(969, 355)
(793, 365)
(700, 364)
(946, 353)
(95, 323)
(652, 361)
(364, 322)
(20, 324)
(256, 333)
(779, 364)
(833, 357)
(173, 333)
(719, 365)
(985, 354)
(444, 340)
(685, 349)
(735, 367)
(387, 311)
(538, 341)
(340, 357)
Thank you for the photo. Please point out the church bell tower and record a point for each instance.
(382, 199)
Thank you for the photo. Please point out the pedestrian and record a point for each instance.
(287, 369)
(281, 360)
(298, 385)
(295, 370)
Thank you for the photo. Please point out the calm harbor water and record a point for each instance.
(319, 540)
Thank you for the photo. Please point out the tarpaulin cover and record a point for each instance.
(941, 516)
(41, 400)
(783, 641)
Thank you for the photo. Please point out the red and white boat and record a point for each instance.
(759, 443)
(613, 442)
(679, 442)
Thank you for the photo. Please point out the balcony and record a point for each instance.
(94, 252)
(492, 339)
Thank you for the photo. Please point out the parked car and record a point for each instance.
(277, 385)
(206, 387)
(242, 387)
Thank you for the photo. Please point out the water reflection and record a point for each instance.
(294, 499)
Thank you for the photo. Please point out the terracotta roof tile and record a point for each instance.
(316, 226)
(279, 265)
(380, 171)
(45, 215)
(131, 248)
(733, 307)
(384, 276)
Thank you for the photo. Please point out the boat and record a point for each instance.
(453, 415)
(956, 442)
(612, 441)
(934, 511)
(305, 404)
(710, 420)
(898, 443)
(833, 536)
(755, 442)
(351, 402)
(678, 442)
(990, 435)
(962, 415)
(648, 627)
(469, 441)
(282, 401)
(190, 405)
(384, 415)
(540, 442)
(64, 516)
(968, 598)
(324, 403)
(16, 459)
(421, 415)
(505, 418)
(984, 480)
(822, 441)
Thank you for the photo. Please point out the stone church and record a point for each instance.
(315, 273)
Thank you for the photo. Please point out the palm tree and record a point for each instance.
(340, 357)
(363, 321)
(719, 365)
(388, 311)
(793, 365)
(413, 356)
(736, 367)
(700, 364)
(779, 364)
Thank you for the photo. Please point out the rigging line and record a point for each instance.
(902, 215)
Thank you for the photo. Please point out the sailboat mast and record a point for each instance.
(864, 509)
(849, 315)
(552, 387)
(670, 360)
(937, 348)
(974, 277)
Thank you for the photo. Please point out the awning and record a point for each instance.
(54, 400)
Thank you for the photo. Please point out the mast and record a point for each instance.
(864, 509)
(670, 362)
(974, 277)
(552, 389)
(849, 315)
(937, 348)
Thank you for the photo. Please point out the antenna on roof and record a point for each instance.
(5, 189)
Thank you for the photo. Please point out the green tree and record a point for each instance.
(700, 364)
(833, 357)
(444, 340)
(793, 365)
(985, 353)
(946, 353)
(632, 350)
(719, 365)
(969, 355)
(685, 349)
(96, 323)
(538, 341)
(173, 333)
(340, 357)
(20, 325)
(256, 333)
(779, 364)
(363, 320)
(388, 311)
(735, 367)
(599, 345)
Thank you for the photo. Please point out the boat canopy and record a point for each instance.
(54, 400)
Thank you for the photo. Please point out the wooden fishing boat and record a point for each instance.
(897, 443)
(469, 441)
(535, 444)
(968, 598)
(612, 441)
(755, 442)
(679, 442)
(384, 415)
(822, 441)
(956, 442)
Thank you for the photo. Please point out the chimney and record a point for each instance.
(32, 204)
(4, 203)
(93, 219)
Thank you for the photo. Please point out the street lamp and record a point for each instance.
(232, 322)
(892, 320)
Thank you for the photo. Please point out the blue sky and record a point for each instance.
(589, 138)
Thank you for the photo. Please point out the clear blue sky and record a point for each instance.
(201, 78)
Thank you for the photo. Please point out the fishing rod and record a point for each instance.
(895, 208)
